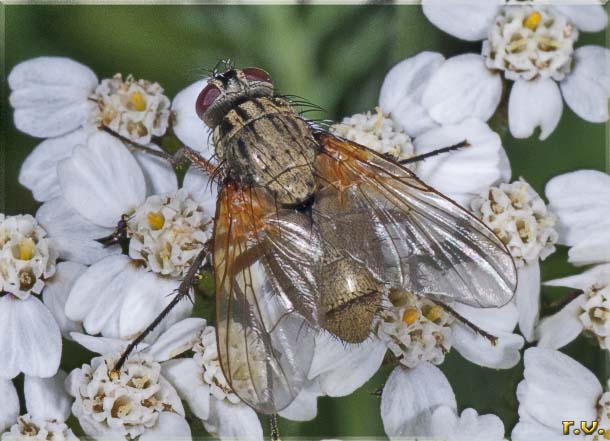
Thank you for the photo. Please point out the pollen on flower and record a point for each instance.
(595, 314)
(530, 42)
(135, 109)
(167, 232)
(31, 428)
(377, 132)
(603, 411)
(129, 403)
(519, 218)
(415, 329)
(27, 257)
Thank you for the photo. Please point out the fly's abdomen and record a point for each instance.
(265, 143)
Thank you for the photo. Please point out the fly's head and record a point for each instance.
(229, 87)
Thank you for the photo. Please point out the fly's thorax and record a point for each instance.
(264, 142)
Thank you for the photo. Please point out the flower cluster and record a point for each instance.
(116, 238)
(520, 218)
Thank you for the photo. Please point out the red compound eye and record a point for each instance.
(255, 74)
(205, 99)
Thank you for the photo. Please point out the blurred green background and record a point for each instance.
(337, 57)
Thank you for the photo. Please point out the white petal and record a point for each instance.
(581, 200)
(169, 426)
(587, 88)
(39, 170)
(50, 95)
(179, 338)
(30, 341)
(73, 235)
(497, 321)
(102, 345)
(559, 329)
(305, 405)
(188, 127)
(98, 293)
(586, 17)
(466, 172)
(469, 20)
(535, 103)
(158, 173)
(10, 404)
(402, 90)
(462, 87)
(102, 180)
(187, 377)
(527, 298)
(46, 398)
(409, 398)
(202, 189)
(145, 295)
(233, 421)
(56, 294)
(530, 429)
(598, 274)
(468, 427)
(333, 363)
(556, 388)
(594, 249)
(505, 168)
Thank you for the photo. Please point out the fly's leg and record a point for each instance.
(275, 432)
(451, 148)
(492, 338)
(182, 292)
(177, 159)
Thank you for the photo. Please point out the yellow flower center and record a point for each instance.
(137, 101)
(434, 313)
(26, 248)
(410, 316)
(532, 21)
(155, 220)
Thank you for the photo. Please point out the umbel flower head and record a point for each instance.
(26, 259)
(53, 96)
(133, 401)
(48, 408)
(529, 43)
(30, 339)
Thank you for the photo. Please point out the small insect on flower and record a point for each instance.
(312, 231)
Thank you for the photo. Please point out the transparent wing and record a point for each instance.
(266, 297)
(407, 233)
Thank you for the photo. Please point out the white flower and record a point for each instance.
(420, 403)
(415, 329)
(167, 232)
(556, 388)
(163, 410)
(581, 200)
(30, 330)
(48, 407)
(137, 110)
(377, 132)
(202, 384)
(117, 296)
(135, 401)
(60, 99)
(53, 96)
(26, 259)
(530, 44)
(520, 218)
(588, 311)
